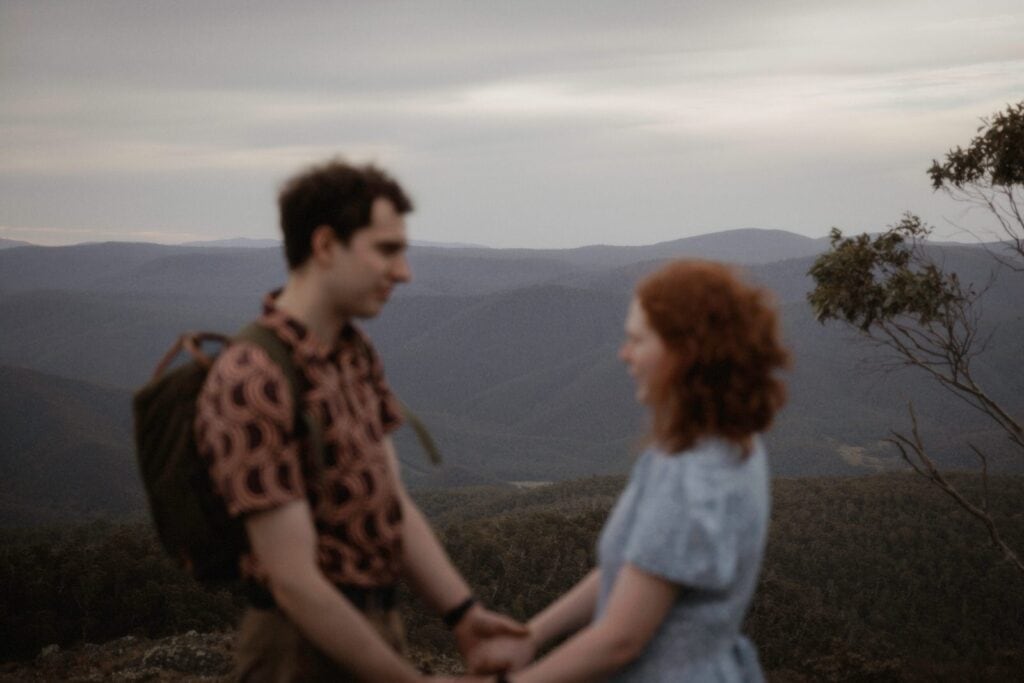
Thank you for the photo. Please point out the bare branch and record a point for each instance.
(984, 476)
(890, 289)
(928, 470)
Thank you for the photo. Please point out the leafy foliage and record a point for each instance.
(995, 157)
(863, 579)
(96, 582)
(990, 175)
(888, 288)
(867, 280)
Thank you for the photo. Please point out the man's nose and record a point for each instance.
(402, 272)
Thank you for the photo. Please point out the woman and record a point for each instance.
(679, 556)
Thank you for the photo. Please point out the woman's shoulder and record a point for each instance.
(711, 453)
(711, 468)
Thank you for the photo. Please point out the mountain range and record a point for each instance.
(508, 354)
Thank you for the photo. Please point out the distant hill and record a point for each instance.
(75, 267)
(123, 266)
(66, 451)
(108, 338)
(447, 245)
(251, 243)
(746, 245)
(239, 242)
(511, 354)
(9, 244)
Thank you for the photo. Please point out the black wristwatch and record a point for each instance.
(453, 616)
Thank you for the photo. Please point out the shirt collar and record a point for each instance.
(297, 334)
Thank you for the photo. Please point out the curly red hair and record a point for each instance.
(722, 337)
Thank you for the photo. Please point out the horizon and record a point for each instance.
(413, 242)
(966, 240)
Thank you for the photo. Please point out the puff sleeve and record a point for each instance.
(687, 523)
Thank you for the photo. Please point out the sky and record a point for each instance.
(512, 124)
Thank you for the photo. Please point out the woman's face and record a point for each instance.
(643, 352)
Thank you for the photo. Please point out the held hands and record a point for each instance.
(503, 653)
(478, 629)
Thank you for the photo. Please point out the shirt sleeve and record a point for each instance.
(684, 530)
(244, 427)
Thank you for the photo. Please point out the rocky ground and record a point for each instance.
(188, 657)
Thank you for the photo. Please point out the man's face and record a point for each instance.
(362, 273)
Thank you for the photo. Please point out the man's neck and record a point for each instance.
(302, 300)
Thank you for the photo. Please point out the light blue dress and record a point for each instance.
(698, 519)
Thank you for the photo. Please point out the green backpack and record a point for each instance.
(191, 520)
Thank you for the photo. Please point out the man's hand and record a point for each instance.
(504, 653)
(479, 625)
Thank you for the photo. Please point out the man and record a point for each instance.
(328, 547)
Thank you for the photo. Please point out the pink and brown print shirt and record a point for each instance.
(245, 428)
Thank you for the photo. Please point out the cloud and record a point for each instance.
(193, 105)
(98, 157)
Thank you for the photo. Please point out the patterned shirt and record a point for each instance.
(245, 428)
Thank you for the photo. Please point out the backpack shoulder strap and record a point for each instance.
(422, 433)
(279, 353)
(282, 357)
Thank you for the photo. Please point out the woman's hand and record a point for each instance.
(504, 653)
(481, 625)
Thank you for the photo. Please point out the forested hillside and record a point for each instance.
(509, 355)
(864, 579)
(66, 450)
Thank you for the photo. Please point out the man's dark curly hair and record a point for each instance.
(723, 346)
(337, 194)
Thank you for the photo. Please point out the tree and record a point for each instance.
(888, 288)
(990, 174)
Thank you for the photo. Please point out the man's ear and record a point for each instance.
(320, 243)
